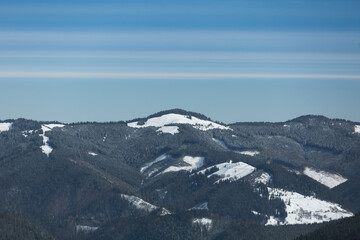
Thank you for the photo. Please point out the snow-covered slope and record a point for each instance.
(302, 209)
(328, 179)
(192, 163)
(172, 118)
(158, 159)
(140, 204)
(5, 126)
(230, 171)
(46, 128)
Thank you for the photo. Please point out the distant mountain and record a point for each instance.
(178, 174)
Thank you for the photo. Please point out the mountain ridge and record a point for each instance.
(96, 175)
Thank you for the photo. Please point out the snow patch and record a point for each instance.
(92, 153)
(201, 206)
(158, 159)
(164, 212)
(330, 180)
(230, 171)
(302, 209)
(193, 163)
(263, 178)
(84, 228)
(139, 203)
(357, 129)
(249, 153)
(169, 129)
(203, 222)
(172, 118)
(255, 212)
(47, 128)
(5, 126)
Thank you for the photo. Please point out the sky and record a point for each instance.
(231, 60)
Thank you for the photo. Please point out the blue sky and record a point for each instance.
(231, 60)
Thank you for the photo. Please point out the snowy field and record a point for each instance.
(330, 180)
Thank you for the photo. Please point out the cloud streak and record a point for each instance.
(170, 76)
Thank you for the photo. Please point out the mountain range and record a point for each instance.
(180, 175)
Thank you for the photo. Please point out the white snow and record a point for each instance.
(302, 209)
(173, 118)
(221, 143)
(357, 129)
(263, 178)
(139, 203)
(164, 212)
(85, 228)
(285, 125)
(249, 153)
(328, 179)
(5, 126)
(193, 163)
(201, 206)
(169, 129)
(158, 159)
(255, 212)
(92, 153)
(204, 222)
(230, 171)
(46, 128)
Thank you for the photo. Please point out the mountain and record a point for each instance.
(179, 175)
(14, 226)
(348, 228)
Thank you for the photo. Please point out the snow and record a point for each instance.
(263, 178)
(230, 171)
(85, 228)
(158, 159)
(255, 212)
(5, 126)
(357, 129)
(92, 153)
(249, 153)
(330, 180)
(193, 163)
(302, 209)
(164, 212)
(169, 129)
(285, 125)
(203, 222)
(221, 143)
(201, 206)
(139, 203)
(173, 118)
(47, 128)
